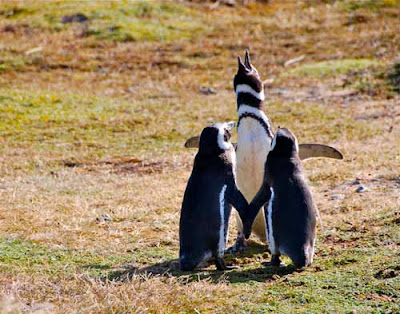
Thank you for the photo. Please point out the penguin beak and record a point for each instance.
(230, 125)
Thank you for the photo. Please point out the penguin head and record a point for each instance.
(247, 83)
(216, 138)
(284, 144)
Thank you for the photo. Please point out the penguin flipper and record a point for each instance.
(193, 142)
(236, 198)
(307, 151)
(262, 197)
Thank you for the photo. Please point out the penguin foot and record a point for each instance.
(220, 263)
(275, 261)
(269, 264)
(239, 246)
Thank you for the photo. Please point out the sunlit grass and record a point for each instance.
(92, 125)
(332, 68)
(119, 21)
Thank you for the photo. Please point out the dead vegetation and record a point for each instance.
(93, 117)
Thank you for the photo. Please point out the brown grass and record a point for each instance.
(115, 148)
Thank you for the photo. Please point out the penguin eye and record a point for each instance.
(227, 136)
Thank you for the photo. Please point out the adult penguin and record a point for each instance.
(291, 213)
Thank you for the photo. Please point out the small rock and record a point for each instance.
(113, 29)
(78, 17)
(104, 217)
(9, 28)
(337, 197)
(356, 182)
(361, 189)
(208, 91)
(385, 274)
(356, 19)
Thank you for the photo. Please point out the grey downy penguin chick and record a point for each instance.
(291, 213)
(210, 193)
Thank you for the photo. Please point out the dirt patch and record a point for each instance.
(121, 166)
(386, 273)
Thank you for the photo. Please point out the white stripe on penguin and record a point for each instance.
(271, 239)
(273, 144)
(244, 88)
(221, 243)
(221, 132)
(248, 109)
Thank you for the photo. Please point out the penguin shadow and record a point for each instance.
(255, 252)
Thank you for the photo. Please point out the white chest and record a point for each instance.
(253, 147)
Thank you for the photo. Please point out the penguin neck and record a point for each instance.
(249, 100)
(249, 95)
(246, 111)
(209, 160)
(278, 166)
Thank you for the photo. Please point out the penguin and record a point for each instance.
(254, 139)
(209, 196)
(255, 135)
(291, 213)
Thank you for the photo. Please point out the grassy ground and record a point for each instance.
(93, 117)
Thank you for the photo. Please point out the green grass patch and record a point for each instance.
(9, 61)
(332, 68)
(118, 21)
(354, 5)
(393, 76)
(18, 256)
(86, 127)
(319, 123)
(27, 257)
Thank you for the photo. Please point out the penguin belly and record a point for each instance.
(251, 154)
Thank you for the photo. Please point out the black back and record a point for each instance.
(200, 221)
(294, 214)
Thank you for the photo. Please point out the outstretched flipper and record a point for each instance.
(318, 150)
(193, 142)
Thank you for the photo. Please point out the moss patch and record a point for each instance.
(332, 68)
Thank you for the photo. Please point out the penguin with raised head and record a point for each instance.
(210, 193)
(291, 213)
(253, 143)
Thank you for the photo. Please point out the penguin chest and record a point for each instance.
(251, 154)
(253, 147)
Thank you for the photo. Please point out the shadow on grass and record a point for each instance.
(170, 268)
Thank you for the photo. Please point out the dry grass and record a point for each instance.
(93, 167)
